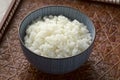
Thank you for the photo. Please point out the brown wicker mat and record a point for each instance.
(104, 62)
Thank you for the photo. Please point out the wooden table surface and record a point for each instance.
(104, 62)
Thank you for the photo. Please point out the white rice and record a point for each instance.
(57, 37)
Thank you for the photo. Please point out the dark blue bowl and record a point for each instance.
(51, 65)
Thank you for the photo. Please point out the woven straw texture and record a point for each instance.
(104, 62)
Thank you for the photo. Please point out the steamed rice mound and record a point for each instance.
(57, 37)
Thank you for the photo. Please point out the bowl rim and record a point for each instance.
(74, 9)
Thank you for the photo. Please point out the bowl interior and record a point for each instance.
(55, 10)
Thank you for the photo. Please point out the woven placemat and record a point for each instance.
(104, 62)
